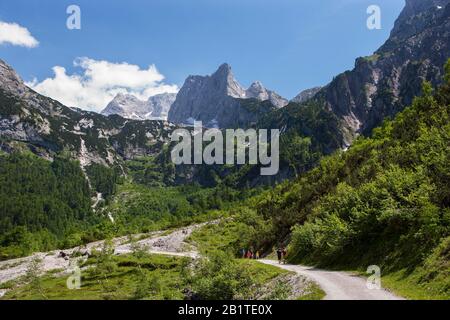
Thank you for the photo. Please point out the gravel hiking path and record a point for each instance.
(338, 285)
(173, 243)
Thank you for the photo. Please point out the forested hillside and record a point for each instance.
(40, 202)
(46, 205)
(385, 201)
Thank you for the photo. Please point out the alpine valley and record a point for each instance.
(364, 180)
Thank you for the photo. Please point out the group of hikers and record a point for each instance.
(251, 254)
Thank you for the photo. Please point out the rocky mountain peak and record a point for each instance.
(214, 99)
(384, 83)
(125, 105)
(224, 70)
(416, 16)
(10, 80)
(259, 92)
(130, 107)
(224, 80)
(307, 94)
(257, 85)
(413, 7)
(125, 98)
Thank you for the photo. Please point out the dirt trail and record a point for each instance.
(338, 285)
(172, 243)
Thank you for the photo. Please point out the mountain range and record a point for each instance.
(100, 190)
(211, 96)
(332, 116)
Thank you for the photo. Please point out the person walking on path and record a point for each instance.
(257, 255)
(279, 255)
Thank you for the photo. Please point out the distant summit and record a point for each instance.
(130, 107)
(257, 91)
(305, 95)
(216, 100)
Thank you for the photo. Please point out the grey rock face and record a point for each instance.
(410, 21)
(10, 81)
(257, 91)
(127, 106)
(160, 105)
(383, 84)
(305, 95)
(130, 107)
(46, 127)
(217, 100)
(224, 82)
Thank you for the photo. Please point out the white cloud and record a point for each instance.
(16, 35)
(100, 82)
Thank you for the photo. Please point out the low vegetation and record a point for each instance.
(142, 276)
(385, 201)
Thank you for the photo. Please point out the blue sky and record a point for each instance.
(289, 45)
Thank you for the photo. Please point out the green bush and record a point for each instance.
(220, 277)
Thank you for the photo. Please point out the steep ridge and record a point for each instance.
(47, 127)
(384, 83)
(305, 95)
(259, 92)
(219, 101)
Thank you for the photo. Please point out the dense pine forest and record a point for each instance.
(41, 202)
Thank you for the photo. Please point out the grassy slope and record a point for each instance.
(164, 277)
(214, 237)
(119, 284)
(431, 280)
(315, 293)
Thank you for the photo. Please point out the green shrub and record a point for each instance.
(220, 277)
